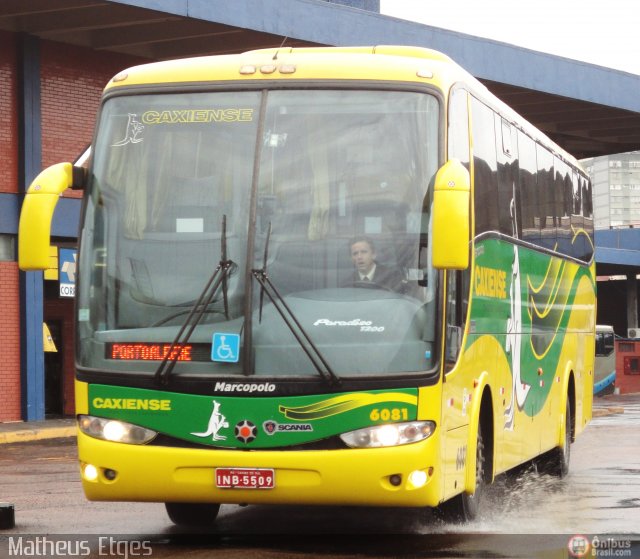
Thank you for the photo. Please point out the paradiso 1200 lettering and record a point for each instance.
(364, 325)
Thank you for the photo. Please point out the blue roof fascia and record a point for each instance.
(617, 256)
(9, 212)
(333, 24)
(625, 239)
(618, 246)
(66, 216)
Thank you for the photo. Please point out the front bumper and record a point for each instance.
(364, 477)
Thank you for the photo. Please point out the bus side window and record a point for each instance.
(459, 127)
(458, 283)
(563, 187)
(604, 343)
(508, 200)
(485, 167)
(587, 212)
(546, 191)
(530, 216)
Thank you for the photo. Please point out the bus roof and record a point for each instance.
(388, 63)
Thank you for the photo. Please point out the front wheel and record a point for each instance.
(465, 507)
(192, 514)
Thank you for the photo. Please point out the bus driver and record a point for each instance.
(363, 256)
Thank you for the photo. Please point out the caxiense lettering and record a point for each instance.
(131, 404)
(490, 282)
(197, 115)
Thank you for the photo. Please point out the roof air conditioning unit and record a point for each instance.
(633, 332)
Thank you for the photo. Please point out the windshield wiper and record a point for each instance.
(218, 278)
(306, 343)
(290, 319)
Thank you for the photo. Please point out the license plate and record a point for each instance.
(245, 478)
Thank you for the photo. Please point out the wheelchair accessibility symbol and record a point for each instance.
(225, 348)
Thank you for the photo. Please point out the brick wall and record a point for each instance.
(10, 332)
(9, 295)
(8, 114)
(72, 80)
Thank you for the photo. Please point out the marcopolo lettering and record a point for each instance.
(244, 387)
(131, 404)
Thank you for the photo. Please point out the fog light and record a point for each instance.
(110, 474)
(90, 472)
(395, 480)
(418, 478)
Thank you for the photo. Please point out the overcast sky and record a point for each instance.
(604, 32)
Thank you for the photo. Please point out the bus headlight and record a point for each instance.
(114, 430)
(392, 434)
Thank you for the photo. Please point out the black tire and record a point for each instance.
(556, 461)
(465, 507)
(192, 514)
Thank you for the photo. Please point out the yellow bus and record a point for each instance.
(332, 276)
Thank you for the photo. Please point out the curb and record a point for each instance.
(26, 435)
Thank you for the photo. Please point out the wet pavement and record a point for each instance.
(528, 515)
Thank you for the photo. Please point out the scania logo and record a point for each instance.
(271, 427)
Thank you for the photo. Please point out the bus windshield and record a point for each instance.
(325, 193)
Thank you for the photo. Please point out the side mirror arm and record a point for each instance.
(34, 231)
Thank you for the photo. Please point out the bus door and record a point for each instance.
(456, 396)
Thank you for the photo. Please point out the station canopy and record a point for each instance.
(582, 126)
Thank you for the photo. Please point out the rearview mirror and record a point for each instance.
(451, 217)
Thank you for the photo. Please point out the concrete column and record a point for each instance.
(632, 301)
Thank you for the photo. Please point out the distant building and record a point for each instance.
(616, 189)
(616, 212)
